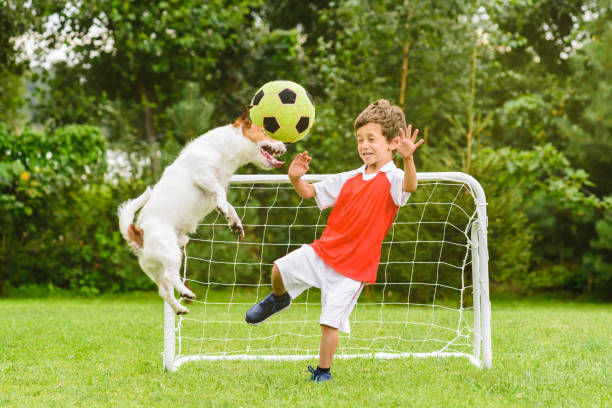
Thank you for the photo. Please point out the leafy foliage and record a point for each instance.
(52, 232)
(516, 93)
(554, 212)
(191, 116)
(144, 57)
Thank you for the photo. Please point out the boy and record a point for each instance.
(346, 256)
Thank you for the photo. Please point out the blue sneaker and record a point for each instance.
(319, 377)
(262, 311)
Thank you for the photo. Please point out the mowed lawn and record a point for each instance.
(65, 352)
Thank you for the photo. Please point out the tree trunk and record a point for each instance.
(3, 267)
(149, 128)
(471, 113)
(590, 283)
(402, 96)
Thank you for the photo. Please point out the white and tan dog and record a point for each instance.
(191, 187)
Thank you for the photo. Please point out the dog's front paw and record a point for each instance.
(237, 229)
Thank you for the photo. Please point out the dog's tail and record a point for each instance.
(126, 211)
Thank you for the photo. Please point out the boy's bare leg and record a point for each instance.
(277, 282)
(329, 343)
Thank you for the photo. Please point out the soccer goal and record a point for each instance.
(431, 298)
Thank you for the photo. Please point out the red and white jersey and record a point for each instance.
(365, 206)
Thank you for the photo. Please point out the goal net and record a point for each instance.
(431, 297)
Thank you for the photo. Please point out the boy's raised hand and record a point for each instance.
(407, 144)
(299, 165)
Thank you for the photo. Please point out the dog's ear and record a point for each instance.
(243, 119)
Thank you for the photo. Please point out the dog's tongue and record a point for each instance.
(271, 159)
(275, 162)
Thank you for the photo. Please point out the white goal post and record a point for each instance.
(431, 297)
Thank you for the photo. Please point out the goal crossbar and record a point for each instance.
(479, 334)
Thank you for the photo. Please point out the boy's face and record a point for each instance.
(374, 149)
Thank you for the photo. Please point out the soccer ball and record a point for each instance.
(284, 109)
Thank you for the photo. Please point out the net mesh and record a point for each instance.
(421, 304)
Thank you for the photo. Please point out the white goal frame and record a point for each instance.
(481, 355)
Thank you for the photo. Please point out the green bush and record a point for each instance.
(510, 234)
(547, 208)
(597, 261)
(58, 213)
(94, 254)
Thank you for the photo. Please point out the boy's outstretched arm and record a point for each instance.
(406, 150)
(299, 167)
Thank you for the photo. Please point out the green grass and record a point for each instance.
(394, 328)
(106, 351)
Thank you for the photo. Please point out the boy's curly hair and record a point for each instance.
(389, 117)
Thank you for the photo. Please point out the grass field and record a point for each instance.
(62, 352)
(217, 326)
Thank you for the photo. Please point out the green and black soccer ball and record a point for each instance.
(284, 109)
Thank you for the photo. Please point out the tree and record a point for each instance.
(16, 19)
(544, 30)
(367, 50)
(137, 57)
(587, 114)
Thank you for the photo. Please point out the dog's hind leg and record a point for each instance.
(172, 269)
(154, 268)
(161, 260)
(177, 283)
(166, 291)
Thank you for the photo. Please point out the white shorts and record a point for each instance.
(303, 269)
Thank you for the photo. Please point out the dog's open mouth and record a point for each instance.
(269, 153)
